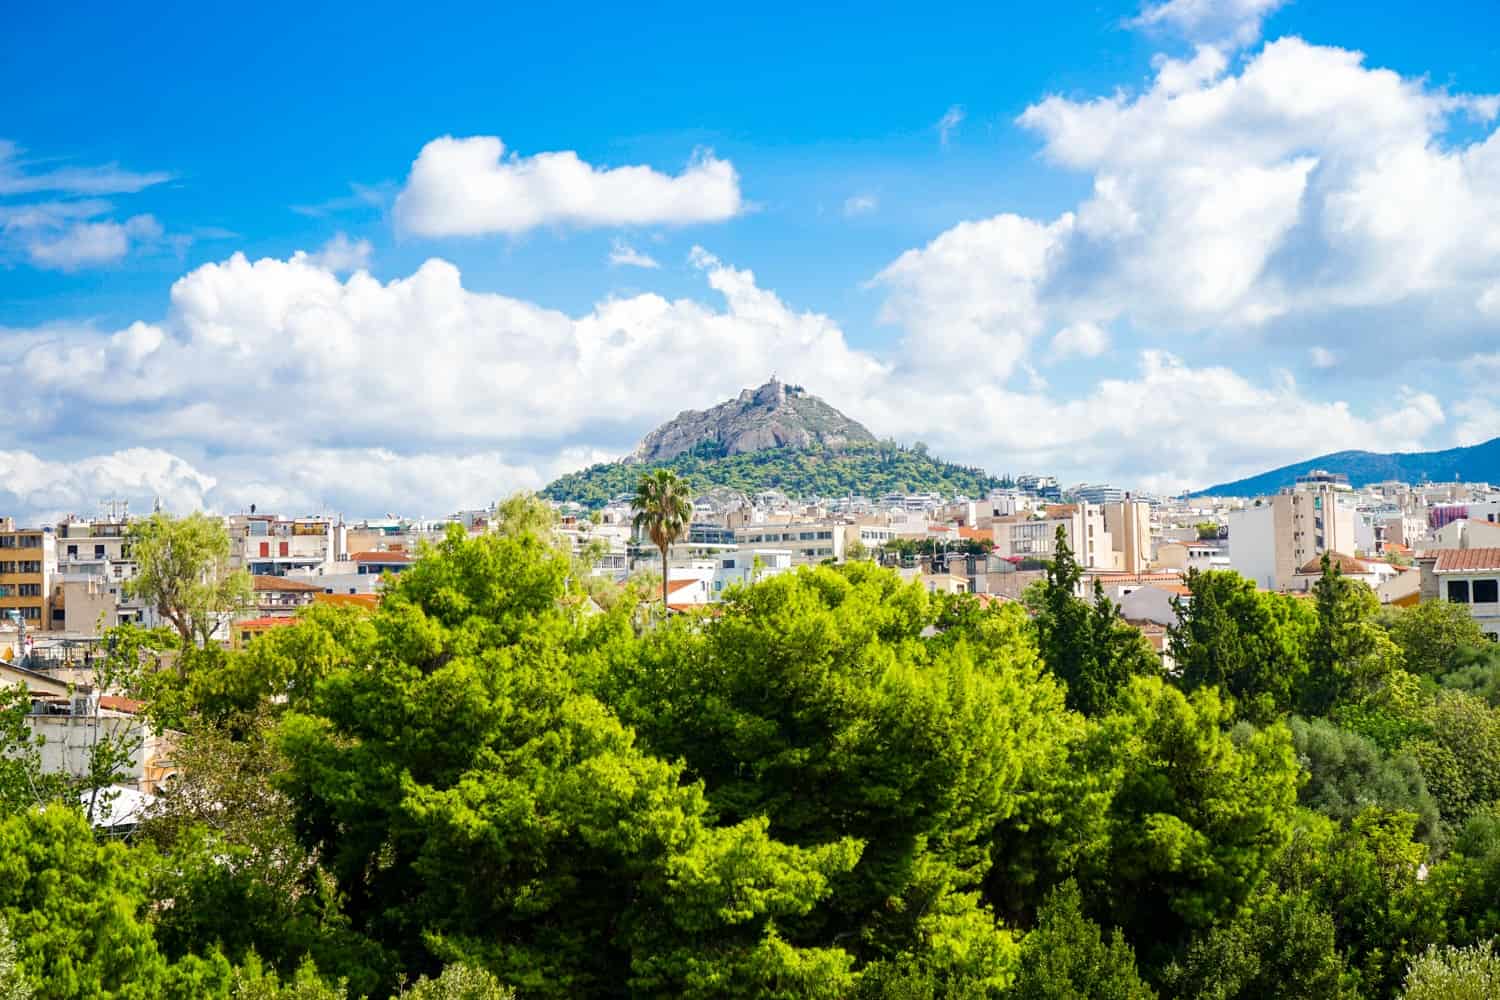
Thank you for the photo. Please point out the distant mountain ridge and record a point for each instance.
(775, 415)
(1476, 463)
(775, 437)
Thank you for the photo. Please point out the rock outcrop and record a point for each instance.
(776, 415)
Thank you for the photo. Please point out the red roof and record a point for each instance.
(119, 704)
(674, 586)
(283, 585)
(1348, 565)
(356, 600)
(1467, 560)
(264, 623)
(381, 557)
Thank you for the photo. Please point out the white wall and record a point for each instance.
(1252, 544)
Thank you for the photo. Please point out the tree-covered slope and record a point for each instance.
(868, 470)
(1480, 462)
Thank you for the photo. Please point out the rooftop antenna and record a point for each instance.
(116, 507)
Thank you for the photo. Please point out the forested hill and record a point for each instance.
(1477, 463)
(865, 470)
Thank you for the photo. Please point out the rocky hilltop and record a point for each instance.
(776, 415)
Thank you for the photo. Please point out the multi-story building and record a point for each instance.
(1314, 478)
(1045, 487)
(28, 559)
(1270, 542)
(268, 545)
(1083, 525)
(704, 581)
(1470, 577)
(283, 595)
(94, 566)
(1099, 493)
(809, 541)
(1128, 523)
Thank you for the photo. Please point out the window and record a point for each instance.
(265, 550)
(29, 590)
(1458, 591)
(1486, 591)
(72, 552)
(7, 567)
(286, 548)
(98, 552)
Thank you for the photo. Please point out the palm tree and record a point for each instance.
(663, 508)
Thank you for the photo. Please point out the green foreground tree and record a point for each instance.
(1088, 646)
(184, 575)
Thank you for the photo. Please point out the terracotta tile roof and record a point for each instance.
(257, 624)
(371, 601)
(673, 586)
(1110, 578)
(283, 584)
(978, 534)
(119, 704)
(1348, 565)
(1467, 560)
(381, 557)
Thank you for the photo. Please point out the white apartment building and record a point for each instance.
(810, 542)
(1270, 542)
(94, 565)
(1086, 530)
(268, 545)
(703, 581)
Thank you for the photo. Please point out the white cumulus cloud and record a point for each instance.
(470, 187)
(1080, 340)
(422, 395)
(622, 254)
(860, 204)
(1220, 22)
(1254, 205)
(342, 254)
(90, 244)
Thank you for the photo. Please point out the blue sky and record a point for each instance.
(1159, 245)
